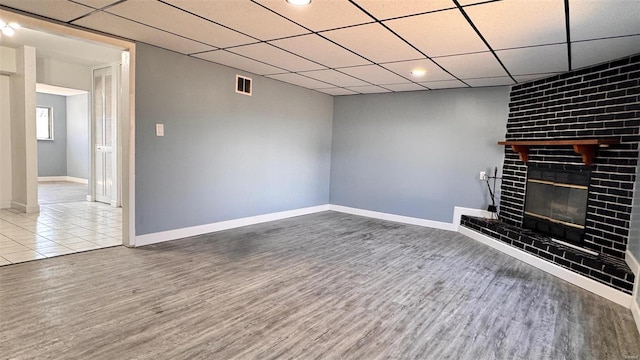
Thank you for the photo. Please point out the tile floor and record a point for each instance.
(58, 229)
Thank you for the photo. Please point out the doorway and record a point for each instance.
(44, 37)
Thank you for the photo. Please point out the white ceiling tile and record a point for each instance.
(446, 84)
(244, 16)
(374, 42)
(592, 52)
(492, 81)
(320, 14)
(439, 34)
(373, 74)
(471, 2)
(116, 25)
(531, 77)
(239, 62)
(300, 80)
(404, 68)
(336, 91)
(62, 10)
(276, 57)
(98, 4)
(370, 89)
(404, 87)
(593, 19)
(320, 50)
(176, 21)
(509, 24)
(390, 9)
(535, 60)
(472, 65)
(335, 78)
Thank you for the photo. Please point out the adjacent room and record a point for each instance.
(71, 215)
(320, 179)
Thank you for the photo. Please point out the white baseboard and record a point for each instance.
(635, 301)
(77, 180)
(52, 178)
(581, 281)
(5, 205)
(154, 238)
(632, 262)
(392, 217)
(24, 208)
(635, 310)
(453, 226)
(89, 198)
(63, 178)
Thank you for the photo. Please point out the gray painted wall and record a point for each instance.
(417, 154)
(78, 136)
(52, 155)
(224, 155)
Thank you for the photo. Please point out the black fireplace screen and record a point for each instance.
(556, 203)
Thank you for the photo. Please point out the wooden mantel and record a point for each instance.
(585, 147)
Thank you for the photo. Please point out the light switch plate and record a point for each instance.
(159, 129)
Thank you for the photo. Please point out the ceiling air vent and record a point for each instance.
(243, 85)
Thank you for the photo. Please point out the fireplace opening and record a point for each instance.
(556, 202)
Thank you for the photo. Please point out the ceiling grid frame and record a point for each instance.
(620, 38)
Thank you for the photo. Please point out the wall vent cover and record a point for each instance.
(243, 85)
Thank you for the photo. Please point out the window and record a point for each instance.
(44, 123)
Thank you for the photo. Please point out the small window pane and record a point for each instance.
(44, 123)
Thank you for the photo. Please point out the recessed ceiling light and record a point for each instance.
(418, 72)
(8, 29)
(299, 2)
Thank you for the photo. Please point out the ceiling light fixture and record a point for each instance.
(418, 72)
(8, 29)
(299, 2)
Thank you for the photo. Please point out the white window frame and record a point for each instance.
(49, 115)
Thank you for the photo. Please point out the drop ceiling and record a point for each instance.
(343, 47)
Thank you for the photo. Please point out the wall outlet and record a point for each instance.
(483, 175)
(159, 129)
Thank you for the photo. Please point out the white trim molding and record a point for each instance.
(24, 208)
(393, 217)
(635, 301)
(63, 178)
(453, 226)
(635, 310)
(169, 235)
(576, 279)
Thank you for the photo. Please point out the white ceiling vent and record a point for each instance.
(243, 85)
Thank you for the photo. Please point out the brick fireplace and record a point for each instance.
(601, 101)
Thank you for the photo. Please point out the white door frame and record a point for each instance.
(126, 113)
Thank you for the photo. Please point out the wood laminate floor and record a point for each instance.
(323, 286)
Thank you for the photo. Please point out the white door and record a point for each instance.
(104, 134)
